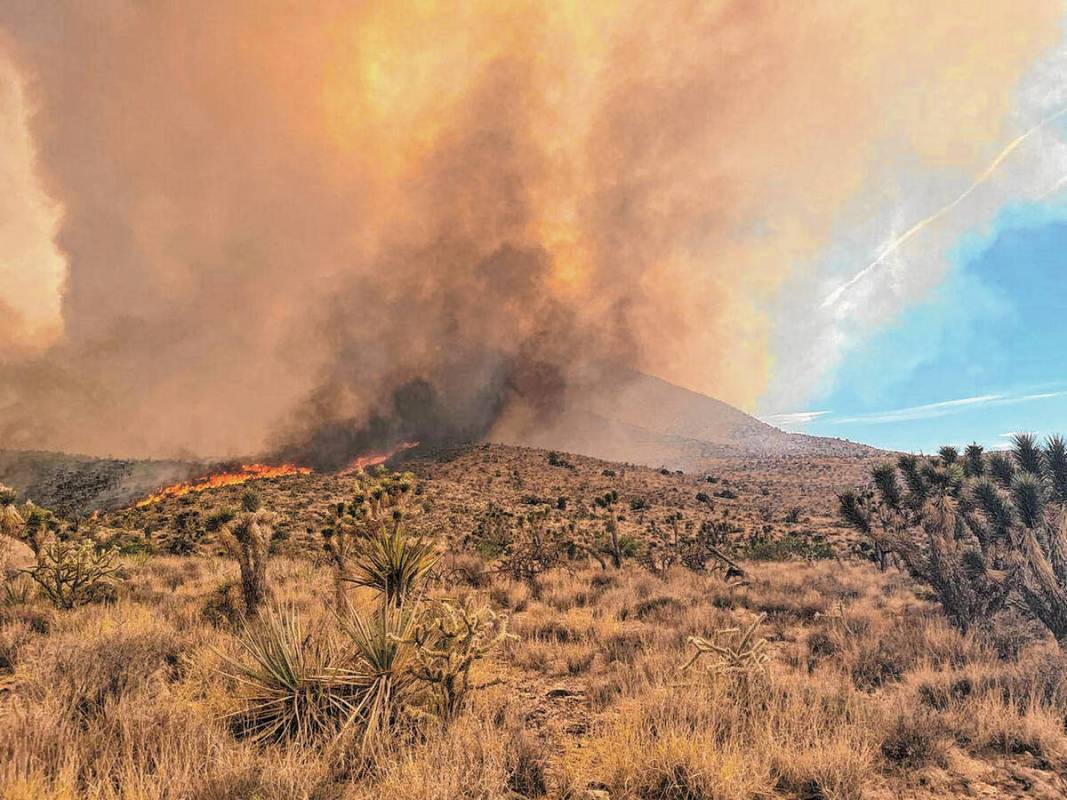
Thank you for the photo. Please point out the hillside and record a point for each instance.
(640, 420)
(644, 420)
(77, 484)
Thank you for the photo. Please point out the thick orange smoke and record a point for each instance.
(278, 216)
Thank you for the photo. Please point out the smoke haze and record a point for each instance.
(314, 227)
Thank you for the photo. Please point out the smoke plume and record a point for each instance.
(317, 227)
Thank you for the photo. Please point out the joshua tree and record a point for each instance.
(607, 502)
(368, 543)
(979, 531)
(11, 521)
(32, 525)
(247, 539)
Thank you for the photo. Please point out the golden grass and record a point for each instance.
(868, 693)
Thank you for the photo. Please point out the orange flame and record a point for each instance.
(247, 472)
(361, 463)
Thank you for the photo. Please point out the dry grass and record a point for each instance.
(868, 692)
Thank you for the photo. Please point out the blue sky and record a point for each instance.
(983, 356)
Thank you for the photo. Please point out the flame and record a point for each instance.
(247, 472)
(361, 463)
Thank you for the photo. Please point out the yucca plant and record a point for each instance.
(18, 590)
(999, 530)
(247, 538)
(289, 687)
(380, 667)
(392, 562)
(973, 462)
(367, 542)
(926, 524)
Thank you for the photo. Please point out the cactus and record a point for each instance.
(72, 574)
(744, 653)
(448, 640)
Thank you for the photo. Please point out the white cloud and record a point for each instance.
(795, 419)
(945, 407)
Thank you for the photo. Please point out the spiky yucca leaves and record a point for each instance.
(368, 544)
(247, 539)
(1040, 531)
(448, 639)
(948, 454)
(855, 510)
(926, 526)
(973, 461)
(999, 528)
(289, 683)
(1002, 468)
(382, 661)
(1056, 466)
(392, 561)
(1027, 454)
(73, 573)
(41, 525)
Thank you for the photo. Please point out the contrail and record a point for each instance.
(895, 244)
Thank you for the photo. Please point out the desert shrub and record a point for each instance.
(187, 534)
(32, 525)
(556, 460)
(224, 606)
(74, 573)
(11, 521)
(18, 590)
(492, 535)
(801, 545)
(218, 519)
(914, 739)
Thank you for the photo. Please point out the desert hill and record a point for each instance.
(641, 419)
(638, 420)
(76, 484)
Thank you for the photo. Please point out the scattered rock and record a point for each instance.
(562, 691)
